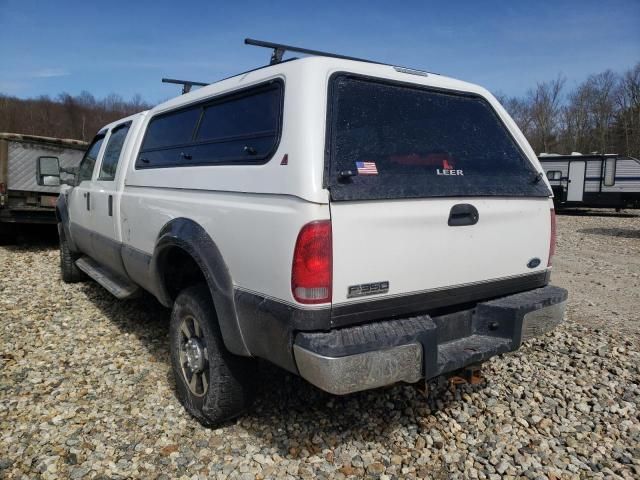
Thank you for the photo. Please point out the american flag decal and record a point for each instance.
(367, 168)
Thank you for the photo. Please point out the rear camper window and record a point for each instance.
(391, 140)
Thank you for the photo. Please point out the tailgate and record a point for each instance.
(433, 201)
(409, 246)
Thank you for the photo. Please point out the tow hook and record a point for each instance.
(471, 375)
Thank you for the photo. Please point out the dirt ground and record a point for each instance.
(86, 389)
(598, 261)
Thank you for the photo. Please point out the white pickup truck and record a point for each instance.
(355, 223)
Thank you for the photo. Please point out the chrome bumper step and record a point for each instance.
(406, 350)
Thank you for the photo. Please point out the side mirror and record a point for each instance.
(48, 171)
(70, 172)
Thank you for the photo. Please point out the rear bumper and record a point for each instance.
(410, 349)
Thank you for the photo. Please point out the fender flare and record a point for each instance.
(62, 215)
(195, 241)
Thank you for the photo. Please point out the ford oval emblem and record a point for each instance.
(533, 263)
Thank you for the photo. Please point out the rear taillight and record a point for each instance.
(312, 263)
(3, 189)
(552, 239)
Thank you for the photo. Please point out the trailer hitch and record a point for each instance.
(471, 375)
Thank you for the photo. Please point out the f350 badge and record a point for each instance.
(364, 289)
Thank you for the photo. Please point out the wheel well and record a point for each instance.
(180, 271)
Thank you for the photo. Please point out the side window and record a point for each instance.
(112, 152)
(241, 127)
(554, 174)
(171, 129)
(249, 116)
(85, 172)
(609, 172)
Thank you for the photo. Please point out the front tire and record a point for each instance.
(69, 271)
(213, 385)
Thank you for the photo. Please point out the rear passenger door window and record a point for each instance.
(111, 157)
(243, 127)
(85, 171)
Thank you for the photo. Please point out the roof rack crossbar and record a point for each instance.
(279, 49)
(186, 84)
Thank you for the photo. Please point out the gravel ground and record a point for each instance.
(86, 390)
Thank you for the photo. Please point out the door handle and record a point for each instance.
(110, 205)
(463, 214)
(88, 196)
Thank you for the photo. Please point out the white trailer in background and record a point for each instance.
(30, 176)
(594, 181)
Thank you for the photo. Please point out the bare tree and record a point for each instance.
(627, 123)
(520, 111)
(545, 106)
(600, 114)
(67, 116)
(602, 87)
(577, 125)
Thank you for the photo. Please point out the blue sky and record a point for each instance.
(126, 47)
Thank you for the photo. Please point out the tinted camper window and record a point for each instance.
(243, 127)
(391, 140)
(248, 116)
(171, 129)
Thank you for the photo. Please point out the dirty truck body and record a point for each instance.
(26, 196)
(353, 223)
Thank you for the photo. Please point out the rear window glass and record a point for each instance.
(397, 141)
